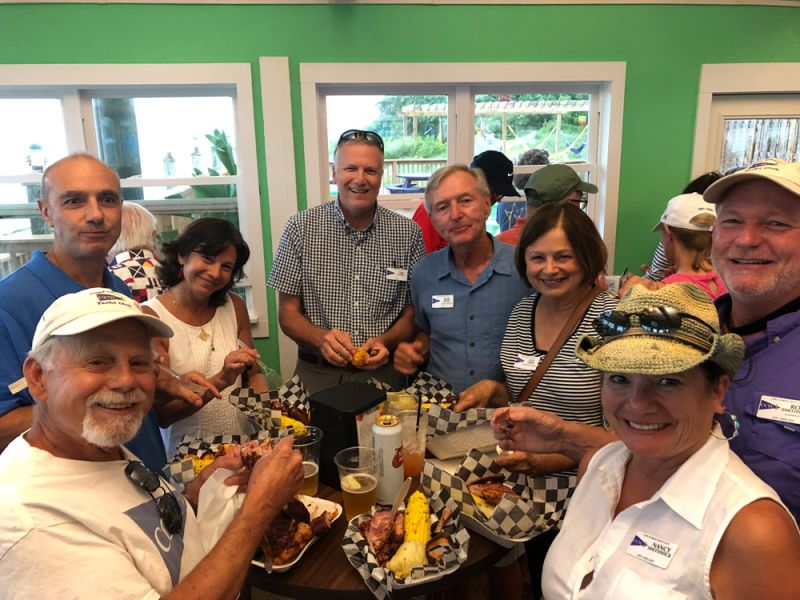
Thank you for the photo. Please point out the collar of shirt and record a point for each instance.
(702, 470)
(349, 229)
(445, 266)
(776, 328)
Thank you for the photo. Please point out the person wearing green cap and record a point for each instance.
(553, 183)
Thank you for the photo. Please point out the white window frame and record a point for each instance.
(462, 80)
(71, 82)
(725, 79)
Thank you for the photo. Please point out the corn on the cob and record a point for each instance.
(299, 428)
(418, 519)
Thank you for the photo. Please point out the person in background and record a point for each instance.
(81, 202)
(498, 171)
(82, 517)
(561, 255)
(660, 266)
(511, 215)
(668, 510)
(342, 272)
(553, 183)
(463, 294)
(211, 325)
(685, 230)
(132, 257)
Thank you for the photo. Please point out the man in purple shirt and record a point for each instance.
(756, 250)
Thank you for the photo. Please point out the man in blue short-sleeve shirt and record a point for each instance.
(462, 294)
(81, 201)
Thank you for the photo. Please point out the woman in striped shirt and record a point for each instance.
(561, 255)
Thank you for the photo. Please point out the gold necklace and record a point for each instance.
(204, 336)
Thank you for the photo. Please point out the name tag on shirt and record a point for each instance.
(652, 550)
(525, 362)
(444, 301)
(774, 408)
(396, 274)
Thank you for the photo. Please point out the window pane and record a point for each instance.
(750, 140)
(414, 131)
(32, 130)
(516, 123)
(166, 137)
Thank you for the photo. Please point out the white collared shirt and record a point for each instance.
(660, 548)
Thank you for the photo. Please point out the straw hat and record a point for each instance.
(692, 343)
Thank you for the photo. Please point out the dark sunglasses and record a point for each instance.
(359, 135)
(583, 202)
(168, 508)
(659, 320)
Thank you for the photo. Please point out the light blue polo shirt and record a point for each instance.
(465, 321)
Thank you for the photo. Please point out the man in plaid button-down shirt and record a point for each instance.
(342, 271)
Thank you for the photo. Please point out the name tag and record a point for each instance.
(524, 362)
(779, 409)
(444, 301)
(396, 274)
(652, 550)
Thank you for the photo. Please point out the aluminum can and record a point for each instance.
(387, 437)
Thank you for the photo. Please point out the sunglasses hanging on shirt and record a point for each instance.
(168, 507)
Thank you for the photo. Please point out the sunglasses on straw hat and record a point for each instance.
(657, 320)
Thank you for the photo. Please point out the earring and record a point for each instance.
(606, 424)
(180, 274)
(735, 426)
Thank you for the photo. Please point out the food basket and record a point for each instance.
(380, 580)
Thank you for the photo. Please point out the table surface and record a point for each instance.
(324, 572)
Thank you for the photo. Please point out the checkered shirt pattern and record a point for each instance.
(137, 268)
(381, 581)
(341, 274)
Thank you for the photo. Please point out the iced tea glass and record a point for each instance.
(413, 442)
(358, 478)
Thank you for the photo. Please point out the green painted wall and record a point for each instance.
(663, 46)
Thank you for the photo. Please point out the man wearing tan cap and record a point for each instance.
(82, 517)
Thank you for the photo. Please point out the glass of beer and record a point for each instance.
(413, 442)
(307, 440)
(358, 479)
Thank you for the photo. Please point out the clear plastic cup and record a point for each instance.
(413, 442)
(358, 478)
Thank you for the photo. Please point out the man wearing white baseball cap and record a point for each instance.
(82, 517)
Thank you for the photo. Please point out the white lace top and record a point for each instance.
(203, 349)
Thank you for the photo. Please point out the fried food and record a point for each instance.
(488, 491)
(360, 357)
(291, 530)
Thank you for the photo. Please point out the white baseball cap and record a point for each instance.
(89, 309)
(682, 209)
(786, 175)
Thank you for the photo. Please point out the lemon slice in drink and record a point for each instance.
(350, 483)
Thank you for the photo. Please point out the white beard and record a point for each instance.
(107, 433)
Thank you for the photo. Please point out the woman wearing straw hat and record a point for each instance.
(668, 511)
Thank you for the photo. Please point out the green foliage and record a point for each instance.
(224, 151)
(422, 147)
